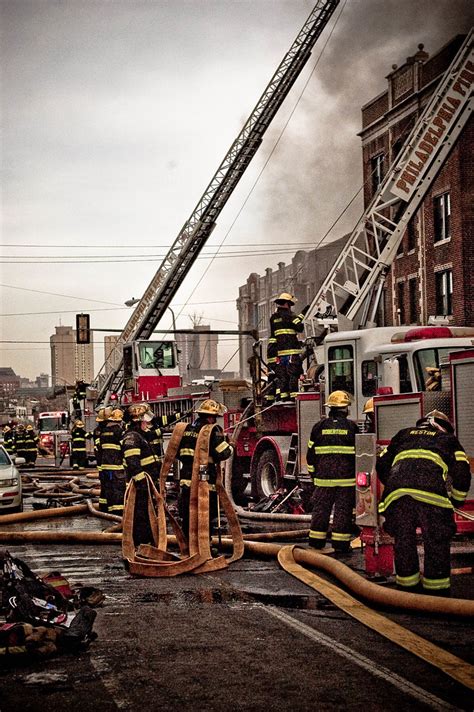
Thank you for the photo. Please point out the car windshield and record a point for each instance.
(4, 459)
(48, 424)
(427, 365)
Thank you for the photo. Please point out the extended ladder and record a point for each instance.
(199, 226)
(347, 294)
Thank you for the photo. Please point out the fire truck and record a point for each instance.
(347, 348)
(52, 430)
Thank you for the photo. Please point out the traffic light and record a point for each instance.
(83, 330)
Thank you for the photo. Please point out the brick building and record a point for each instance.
(431, 278)
(302, 277)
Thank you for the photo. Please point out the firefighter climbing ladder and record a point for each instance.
(349, 296)
(199, 226)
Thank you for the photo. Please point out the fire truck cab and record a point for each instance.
(150, 368)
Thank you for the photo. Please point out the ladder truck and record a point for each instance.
(127, 363)
(357, 356)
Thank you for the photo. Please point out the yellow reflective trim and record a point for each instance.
(317, 535)
(187, 451)
(289, 352)
(412, 580)
(115, 468)
(310, 444)
(282, 332)
(140, 476)
(14, 649)
(420, 495)
(76, 449)
(461, 456)
(310, 468)
(222, 446)
(185, 483)
(335, 536)
(436, 584)
(148, 460)
(334, 450)
(350, 482)
(458, 494)
(111, 446)
(423, 455)
(272, 340)
(116, 508)
(164, 419)
(132, 451)
(334, 431)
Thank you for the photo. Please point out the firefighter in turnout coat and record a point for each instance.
(9, 440)
(331, 463)
(141, 459)
(31, 445)
(78, 457)
(101, 420)
(285, 327)
(219, 450)
(425, 471)
(112, 470)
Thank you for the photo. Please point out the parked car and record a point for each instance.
(10, 483)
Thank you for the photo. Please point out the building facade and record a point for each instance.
(70, 362)
(302, 278)
(431, 278)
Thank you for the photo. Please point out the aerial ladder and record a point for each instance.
(350, 294)
(197, 229)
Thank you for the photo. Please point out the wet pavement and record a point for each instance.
(248, 638)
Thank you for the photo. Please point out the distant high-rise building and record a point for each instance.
(198, 353)
(42, 381)
(112, 355)
(70, 362)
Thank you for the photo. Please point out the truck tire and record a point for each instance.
(267, 476)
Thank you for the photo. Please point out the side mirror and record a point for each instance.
(19, 460)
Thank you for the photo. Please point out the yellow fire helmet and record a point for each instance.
(285, 297)
(103, 414)
(211, 407)
(116, 415)
(138, 410)
(29, 427)
(369, 406)
(338, 399)
(78, 424)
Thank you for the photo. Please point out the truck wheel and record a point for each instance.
(267, 476)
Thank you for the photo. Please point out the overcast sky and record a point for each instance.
(115, 115)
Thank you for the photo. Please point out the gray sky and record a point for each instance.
(114, 117)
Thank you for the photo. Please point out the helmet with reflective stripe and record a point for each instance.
(103, 414)
(338, 399)
(138, 410)
(369, 406)
(437, 417)
(116, 415)
(78, 424)
(211, 407)
(285, 297)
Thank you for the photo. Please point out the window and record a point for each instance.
(413, 300)
(376, 167)
(442, 217)
(427, 366)
(401, 302)
(157, 355)
(341, 368)
(444, 292)
(411, 236)
(405, 381)
(369, 378)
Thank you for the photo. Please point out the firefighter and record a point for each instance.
(31, 445)
(140, 460)
(112, 470)
(20, 440)
(331, 462)
(219, 449)
(271, 388)
(369, 412)
(9, 440)
(78, 457)
(284, 327)
(101, 420)
(415, 470)
(155, 433)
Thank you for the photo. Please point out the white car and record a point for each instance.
(10, 483)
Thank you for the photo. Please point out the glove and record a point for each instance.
(305, 309)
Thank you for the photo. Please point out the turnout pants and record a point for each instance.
(113, 484)
(287, 371)
(402, 519)
(323, 500)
